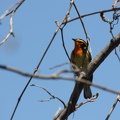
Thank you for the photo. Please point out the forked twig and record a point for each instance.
(115, 2)
(104, 18)
(87, 101)
(117, 55)
(11, 29)
(11, 10)
(112, 24)
(113, 107)
(65, 22)
(52, 96)
(93, 13)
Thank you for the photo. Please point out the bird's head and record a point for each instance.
(80, 43)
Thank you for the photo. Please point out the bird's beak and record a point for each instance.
(73, 39)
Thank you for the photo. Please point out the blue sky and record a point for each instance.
(34, 26)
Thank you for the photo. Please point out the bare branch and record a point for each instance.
(117, 55)
(89, 100)
(52, 96)
(65, 22)
(11, 29)
(63, 43)
(104, 18)
(94, 13)
(11, 9)
(55, 76)
(80, 18)
(18, 4)
(113, 107)
(58, 65)
(115, 2)
(112, 24)
(75, 70)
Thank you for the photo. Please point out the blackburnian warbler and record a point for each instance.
(81, 57)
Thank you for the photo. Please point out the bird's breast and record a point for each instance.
(80, 60)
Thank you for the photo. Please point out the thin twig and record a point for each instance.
(80, 18)
(111, 28)
(115, 48)
(11, 30)
(111, 23)
(18, 4)
(52, 96)
(117, 55)
(104, 18)
(113, 107)
(63, 43)
(66, 20)
(76, 69)
(94, 13)
(115, 2)
(87, 101)
(11, 9)
(58, 65)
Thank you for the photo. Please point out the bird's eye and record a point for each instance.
(81, 43)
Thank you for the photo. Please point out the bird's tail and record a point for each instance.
(87, 91)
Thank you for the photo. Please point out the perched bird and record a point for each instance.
(81, 57)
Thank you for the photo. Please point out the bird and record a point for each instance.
(81, 57)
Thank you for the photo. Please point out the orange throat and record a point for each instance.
(78, 51)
